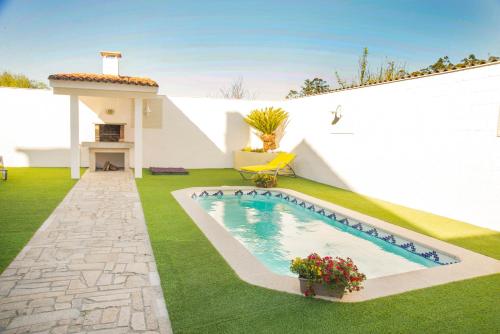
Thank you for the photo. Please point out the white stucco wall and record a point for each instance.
(199, 133)
(191, 132)
(430, 143)
(34, 127)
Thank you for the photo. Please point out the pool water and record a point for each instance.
(276, 231)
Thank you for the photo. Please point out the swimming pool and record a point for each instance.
(258, 232)
(276, 227)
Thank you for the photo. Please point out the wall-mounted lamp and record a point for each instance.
(109, 111)
(337, 115)
(147, 110)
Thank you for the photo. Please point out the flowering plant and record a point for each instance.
(331, 272)
(265, 180)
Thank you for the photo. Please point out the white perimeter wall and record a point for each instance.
(429, 143)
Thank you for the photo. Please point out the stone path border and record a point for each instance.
(89, 268)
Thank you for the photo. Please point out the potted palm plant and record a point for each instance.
(267, 122)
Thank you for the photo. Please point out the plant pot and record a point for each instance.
(322, 290)
(266, 184)
(269, 142)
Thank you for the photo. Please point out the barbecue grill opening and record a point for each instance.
(109, 132)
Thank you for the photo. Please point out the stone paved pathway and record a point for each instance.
(89, 268)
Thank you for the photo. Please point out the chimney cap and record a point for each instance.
(116, 54)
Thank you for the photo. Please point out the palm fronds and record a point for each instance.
(267, 120)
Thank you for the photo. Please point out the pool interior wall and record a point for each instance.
(276, 227)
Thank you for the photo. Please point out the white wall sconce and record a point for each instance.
(147, 110)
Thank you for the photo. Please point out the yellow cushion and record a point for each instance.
(280, 161)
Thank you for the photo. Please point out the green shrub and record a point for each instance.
(8, 79)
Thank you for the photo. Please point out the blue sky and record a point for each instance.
(193, 48)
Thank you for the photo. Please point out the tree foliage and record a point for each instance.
(363, 72)
(236, 91)
(8, 79)
(444, 64)
(310, 87)
(387, 71)
(440, 64)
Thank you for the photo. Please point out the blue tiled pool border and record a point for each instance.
(393, 239)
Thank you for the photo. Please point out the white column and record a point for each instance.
(75, 137)
(138, 138)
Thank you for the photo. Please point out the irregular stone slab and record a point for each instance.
(138, 268)
(32, 319)
(138, 323)
(91, 277)
(109, 315)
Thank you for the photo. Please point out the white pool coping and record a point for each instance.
(252, 271)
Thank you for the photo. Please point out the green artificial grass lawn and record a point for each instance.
(204, 295)
(27, 198)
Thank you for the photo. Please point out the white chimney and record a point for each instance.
(110, 62)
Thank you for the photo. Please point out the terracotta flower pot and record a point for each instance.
(269, 142)
(322, 290)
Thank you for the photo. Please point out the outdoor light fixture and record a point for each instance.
(147, 110)
(337, 115)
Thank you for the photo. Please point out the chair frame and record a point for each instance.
(3, 171)
(274, 172)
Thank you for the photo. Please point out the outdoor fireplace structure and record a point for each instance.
(113, 85)
(114, 152)
(109, 148)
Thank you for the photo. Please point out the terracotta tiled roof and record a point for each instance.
(106, 78)
(415, 75)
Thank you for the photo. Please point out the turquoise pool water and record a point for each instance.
(276, 231)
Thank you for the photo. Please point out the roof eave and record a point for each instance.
(87, 88)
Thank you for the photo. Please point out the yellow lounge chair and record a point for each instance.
(279, 164)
